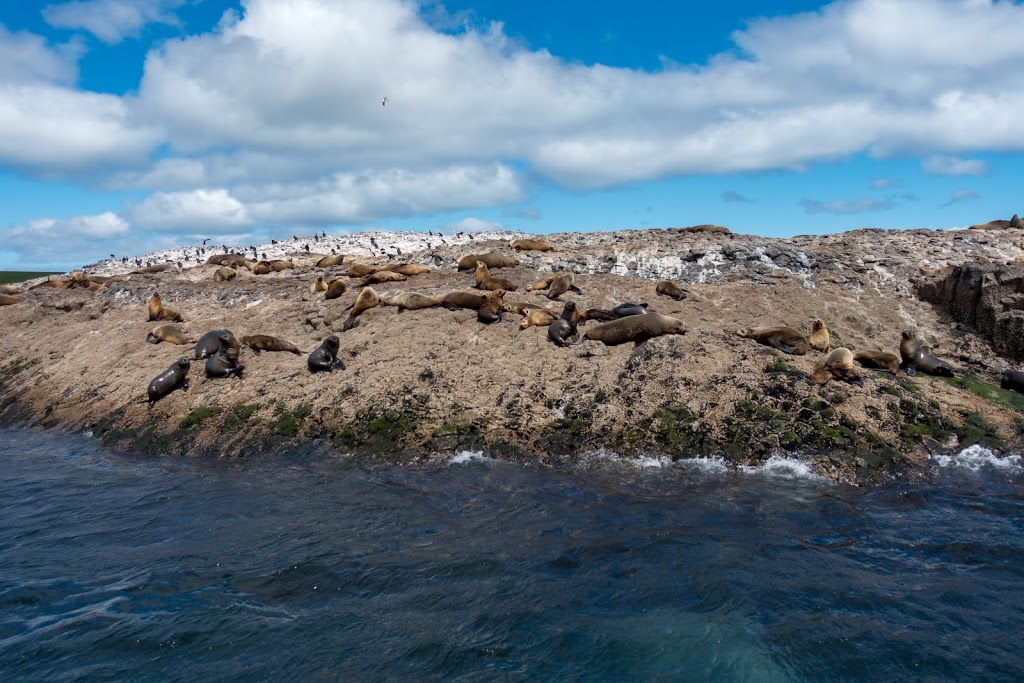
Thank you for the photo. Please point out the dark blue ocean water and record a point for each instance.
(312, 567)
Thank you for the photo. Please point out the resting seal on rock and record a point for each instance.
(670, 289)
(264, 342)
(10, 289)
(490, 310)
(485, 281)
(561, 284)
(529, 245)
(261, 268)
(837, 365)
(542, 283)
(914, 358)
(382, 276)
(158, 312)
(409, 269)
(819, 339)
(785, 339)
(329, 261)
(367, 299)
(319, 285)
(170, 379)
(361, 270)
(490, 259)
(635, 328)
(412, 301)
(225, 363)
(325, 357)
(561, 330)
(8, 300)
(209, 343)
(168, 333)
(1013, 380)
(224, 274)
(878, 360)
(539, 317)
(627, 309)
(335, 289)
(456, 300)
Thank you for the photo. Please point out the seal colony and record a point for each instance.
(435, 340)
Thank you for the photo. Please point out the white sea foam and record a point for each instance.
(463, 457)
(975, 458)
(783, 466)
(712, 465)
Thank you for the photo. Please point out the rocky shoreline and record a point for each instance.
(434, 380)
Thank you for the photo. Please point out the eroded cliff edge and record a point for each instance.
(419, 382)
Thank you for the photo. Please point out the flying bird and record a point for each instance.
(384, 102)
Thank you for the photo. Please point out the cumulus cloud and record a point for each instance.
(846, 206)
(111, 20)
(473, 225)
(27, 58)
(960, 196)
(947, 165)
(884, 183)
(207, 210)
(733, 197)
(54, 240)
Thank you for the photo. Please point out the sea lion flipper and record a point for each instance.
(150, 339)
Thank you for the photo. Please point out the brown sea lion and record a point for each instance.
(367, 299)
(484, 280)
(210, 343)
(330, 261)
(490, 310)
(168, 333)
(412, 301)
(565, 328)
(325, 357)
(707, 229)
(409, 269)
(561, 284)
(264, 342)
(261, 268)
(491, 260)
(361, 270)
(542, 283)
(915, 358)
(635, 328)
(158, 268)
(224, 362)
(382, 276)
(319, 285)
(45, 284)
(230, 261)
(10, 290)
(992, 225)
(1012, 380)
(8, 300)
(456, 300)
(878, 360)
(627, 309)
(224, 274)
(540, 317)
(785, 339)
(158, 312)
(1016, 223)
(837, 365)
(281, 264)
(600, 314)
(335, 289)
(530, 245)
(170, 379)
(819, 339)
(96, 287)
(78, 281)
(521, 307)
(670, 289)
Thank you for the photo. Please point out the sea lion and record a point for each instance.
(8, 300)
(625, 310)
(319, 285)
(325, 357)
(671, 289)
(329, 261)
(599, 314)
(78, 281)
(456, 300)
(280, 264)
(635, 328)
(158, 268)
(158, 312)
(819, 339)
(382, 276)
(1013, 380)
(225, 363)
(530, 245)
(992, 225)
(561, 284)
(707, 229)
(264, 342)
(168, 333)
(230, 261)
(485, 281)
(10, 289)
(785, 339)
(561, 330)
(261, 268)
(878, 360)
(412, 301)
(837, 365)
(361, 270)
(542, 283)
(409, 269)
(368, 298)
(170, 379)
(540, 317)
(490, 310)
(914, 358)
(521, 307)
(224, 274)
(50, 283)
(491, 260)
(209, 343)
(335, 289)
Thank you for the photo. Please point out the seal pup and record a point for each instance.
(491, 260)
(319, 285)
(837, 365)
(224, 274)
(530, 245)
(785, 339)
(540, 317)
(542, 283)
(261, 268)
(168, 333)
(565, 327)
(409, 269)
(670, 289)
(915, 358)
(819, 339)
(635, 328)
(485, 281)
(412, 301)
(627, 309)
(170, 379)
(562, 283)
(1012, 380)
(8, 300)
(382, 276)
(224, 363)
(158, 312)
(490, 310)
(368, 298)
(264, 342)
(878, 360)
(331, 260)
(209, 343)
(335, 289)
(325, 357)
(453, 301)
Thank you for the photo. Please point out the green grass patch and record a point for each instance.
(989, 392)
(198, 416)
(10, 277)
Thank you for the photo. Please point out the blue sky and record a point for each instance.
(133, 125)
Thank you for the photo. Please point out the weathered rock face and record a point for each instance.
(989, 299)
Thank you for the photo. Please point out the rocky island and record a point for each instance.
(421, 382)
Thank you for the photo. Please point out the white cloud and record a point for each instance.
(960, 196)
(946, 165)
(26, 58)
(191, 212)
(473, 225)
(53, 241)
(111, 20)
(847, 206)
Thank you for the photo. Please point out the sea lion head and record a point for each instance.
(674, 326)
(743, 332)
(184, 363)
(909, 334)
(817, 324)
(334, 343)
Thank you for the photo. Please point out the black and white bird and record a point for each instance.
(384, 102)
